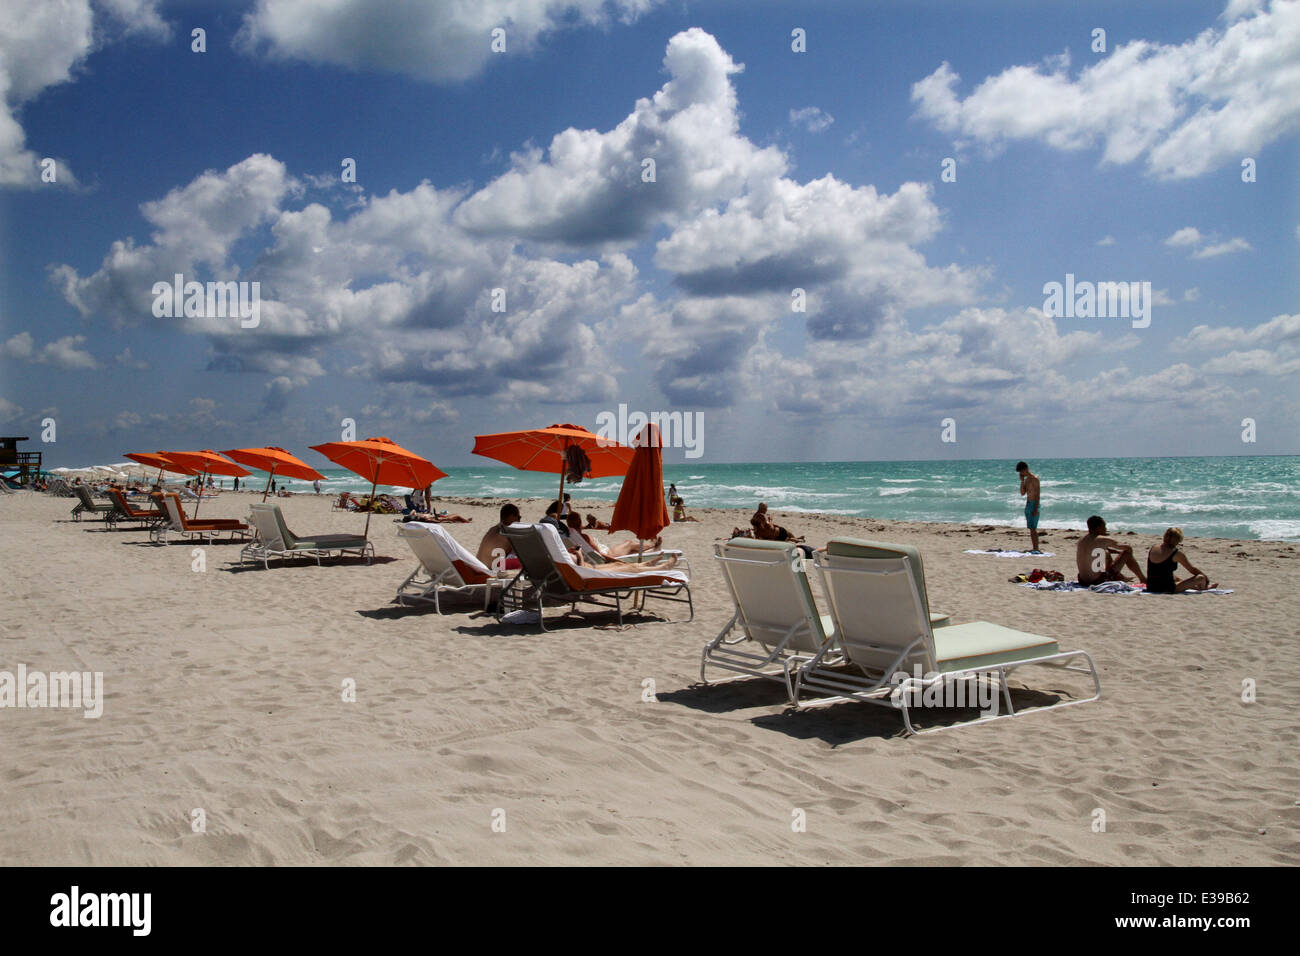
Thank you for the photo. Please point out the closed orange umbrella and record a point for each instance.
(206, 462)
(273, 459)
(383, 461)
(640, 506)
(544, 449)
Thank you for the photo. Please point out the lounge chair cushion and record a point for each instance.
(981, 644)
(578, 578)
(862, 548)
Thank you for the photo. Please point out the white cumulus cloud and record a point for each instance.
(1184, 108)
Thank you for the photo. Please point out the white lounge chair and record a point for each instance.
(445, 565)
(550, 576)
(272, 538)
(776, 626)
(890, 650)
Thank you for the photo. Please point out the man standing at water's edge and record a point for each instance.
(1029, 487)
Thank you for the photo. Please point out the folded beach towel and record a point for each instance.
(999, 553)
(1107, 587)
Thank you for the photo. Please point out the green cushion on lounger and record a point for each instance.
(861, 548)
(328, 542)
(981, 644)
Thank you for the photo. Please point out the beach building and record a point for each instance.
(15, 465)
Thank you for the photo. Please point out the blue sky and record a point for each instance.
(523, 171)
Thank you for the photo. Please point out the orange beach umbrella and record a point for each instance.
(640, 506)
(273, 459)
(151, 460)
(544, 449)
(206, 462)
(383, 461)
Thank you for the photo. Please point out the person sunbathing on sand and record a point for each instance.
(1160, 567)
(432, 517)
(595, 524)
(679, 510)
(1094, 546)
(765, 530)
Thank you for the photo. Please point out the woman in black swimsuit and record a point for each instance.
(1161, 561)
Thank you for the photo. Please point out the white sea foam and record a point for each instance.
(1272, 529)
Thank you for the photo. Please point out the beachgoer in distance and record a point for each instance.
(679, 510)
(1031, 488)
(1103, 559)
(765, 530)
(1160, 567)
(595, 524)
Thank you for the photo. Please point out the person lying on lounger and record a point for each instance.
(620, 550)
(432, 517)
(662, 562)
(1161, 561)
(1103, 559)
(765, 530)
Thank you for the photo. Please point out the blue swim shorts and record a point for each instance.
(1031, 514)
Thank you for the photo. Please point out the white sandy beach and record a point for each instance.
(223, 692)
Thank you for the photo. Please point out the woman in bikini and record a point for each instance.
(1161, 561)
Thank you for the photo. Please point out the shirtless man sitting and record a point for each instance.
(495, 546)
(1091, 549)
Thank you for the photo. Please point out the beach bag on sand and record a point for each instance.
(576, 464)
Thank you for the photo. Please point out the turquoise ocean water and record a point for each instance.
(1246, 497)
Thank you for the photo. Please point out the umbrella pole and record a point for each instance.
(202, 479)
(269, 479)
(370, 508)
(560, 499)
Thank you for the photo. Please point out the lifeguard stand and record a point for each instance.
(15, 465)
